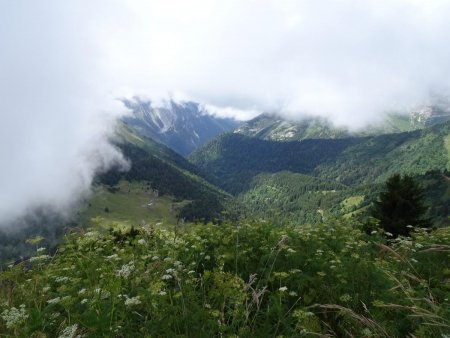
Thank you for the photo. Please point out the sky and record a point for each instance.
(63, 64)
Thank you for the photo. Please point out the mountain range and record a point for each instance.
(182, 126)
(340, 175)
(270, 126)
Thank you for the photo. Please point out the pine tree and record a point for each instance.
(401, 206)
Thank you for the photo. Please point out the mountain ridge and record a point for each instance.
(182, 126)
(273, 126)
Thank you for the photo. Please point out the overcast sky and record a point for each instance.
(63, 63)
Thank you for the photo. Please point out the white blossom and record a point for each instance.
(14, 316)
(132, 301)
(54, 300)
(70, 332)
(125, 270)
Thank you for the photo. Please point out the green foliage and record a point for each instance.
(235, 159)
(401, 206)
(248, 280)
(287, 197)
(255, 171)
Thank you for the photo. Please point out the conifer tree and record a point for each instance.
(401, 206)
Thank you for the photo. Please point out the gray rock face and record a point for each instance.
(182, 126)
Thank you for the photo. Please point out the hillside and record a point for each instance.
(166, 173)
(161, 187)
(348, 160)
(315, 178)
(277, 128)
(233, 159)
(182, 126)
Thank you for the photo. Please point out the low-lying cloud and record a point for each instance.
(63, 63)
(56, 116)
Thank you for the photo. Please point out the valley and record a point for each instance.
(248, 236)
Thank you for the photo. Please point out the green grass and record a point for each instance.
(252, 280)
(128, 203)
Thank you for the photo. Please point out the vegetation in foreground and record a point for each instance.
(249, 280)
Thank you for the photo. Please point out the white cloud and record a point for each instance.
(350, 61)
(62, 63)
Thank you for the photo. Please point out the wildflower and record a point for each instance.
(170, 271)
(207, 257)
(162, 293)
(125, 270)
(283, 289)
(167, 277)
(155, 258)
(388, 234)
(41, 249)
(54, 300)
(132, 301)
(207, 306)
(61, 279)
(84, 301)
(293, 294)
(373, 232)
(39, 258)
(69, 332)
(113, 256)
(142, 241)
(46, 289)
(82, 291)
(14, 316)
(103, 293)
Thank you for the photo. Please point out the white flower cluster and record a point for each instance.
(70, 332)
(54, 300)
(14, 316)
(125, 270)
(132, 301)
(113, 257)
